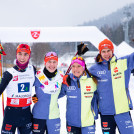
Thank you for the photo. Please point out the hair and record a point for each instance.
(94, 79)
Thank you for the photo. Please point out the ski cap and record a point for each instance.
(24, 48)
(105, 44)
(50, 56)
(78, 60)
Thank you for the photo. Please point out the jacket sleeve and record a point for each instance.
(63, 91)
(130, 61)
(4, 81)
(94, 105)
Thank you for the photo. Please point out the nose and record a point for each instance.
(22, 56)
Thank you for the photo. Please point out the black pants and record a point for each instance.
(108, 124)
(122, 121)
(50, 126)
(17, 117)
(39, 126)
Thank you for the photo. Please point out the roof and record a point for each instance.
(124, 49)
(52, 34)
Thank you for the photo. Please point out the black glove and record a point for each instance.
(82, 49)
(34, 98)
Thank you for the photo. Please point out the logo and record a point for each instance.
(28, 100)
(8, 127)
(42, 86)
(71, 88)
(35, 126)
(105, 124)
(101, 72)
(12, 95)
(46, 82)
(88, 88)
(15, 78)
(61, 75)
(68, 128)
(15, 101)
(29, 125)
(115, 69)
(117, 74)
(38, 72)
(57, 85)
(35, 34)
(88, 96)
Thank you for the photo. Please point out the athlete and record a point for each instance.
(114, 101)
(18, 82)
(79, 87)
(46, 117)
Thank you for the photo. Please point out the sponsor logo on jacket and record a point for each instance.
(15, 78)
(116, 74)
(71, 88)
(99, 73)
(88, 93)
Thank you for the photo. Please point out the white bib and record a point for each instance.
(19, 89)
(50, 86)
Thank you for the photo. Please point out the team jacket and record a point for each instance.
(79, 97)
(113, 79)
(18, 86)
(47, 92)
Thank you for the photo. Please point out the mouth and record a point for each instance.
(52, 68)
(22, 62)
(77, 73)
(108, 57)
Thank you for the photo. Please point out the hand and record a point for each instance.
(34, 98)
(66, 80)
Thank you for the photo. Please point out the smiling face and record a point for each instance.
(106, 54)
(51, 65)
(77, 70)
(22, 57)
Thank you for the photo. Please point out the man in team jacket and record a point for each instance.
(114, 101)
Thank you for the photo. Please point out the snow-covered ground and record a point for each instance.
(62, 105)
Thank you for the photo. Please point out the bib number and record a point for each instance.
(23, 87)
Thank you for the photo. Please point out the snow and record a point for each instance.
(124, 49)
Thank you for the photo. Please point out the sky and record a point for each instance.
(54, 13)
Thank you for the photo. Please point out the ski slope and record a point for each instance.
(62, 105)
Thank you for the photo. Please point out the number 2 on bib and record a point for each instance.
(23, 87)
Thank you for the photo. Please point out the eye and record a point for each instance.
(26, 54)
(19, 53)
